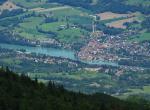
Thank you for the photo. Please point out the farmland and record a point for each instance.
(61, 18)
(98, 50)
(141, 37)
(142, 91)
(110, 15)
(145, 3)
(120, 23)
(60, 22)
(118, 20)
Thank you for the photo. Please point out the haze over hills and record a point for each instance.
(85, 45)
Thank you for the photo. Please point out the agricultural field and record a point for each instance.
(103, 36)
(28, 30)
(145, 90)
(116, 20)
(63, 15)
(48, 21)
(145, 3)
(141, 37)
(39, 9)
(120, 23)
(11, 61)
(65, 35)
(29, 4)
(45, 21)
(110, 15)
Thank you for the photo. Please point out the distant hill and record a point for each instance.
(119, 6)
(22, 93)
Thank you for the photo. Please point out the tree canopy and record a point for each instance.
(22, 93)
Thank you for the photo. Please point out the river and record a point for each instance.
(63, 53)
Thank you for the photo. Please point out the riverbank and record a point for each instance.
(63, 53)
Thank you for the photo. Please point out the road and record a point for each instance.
(49, 9)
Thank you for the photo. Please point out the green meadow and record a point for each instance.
(141, 37)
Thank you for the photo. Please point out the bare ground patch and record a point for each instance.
(120, 23)
(8, 6)
(110, 15)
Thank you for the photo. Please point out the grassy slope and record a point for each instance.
(144, 3)
(28, 30)
(28, 27)
(141, 37)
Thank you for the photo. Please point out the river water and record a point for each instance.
(63, 53)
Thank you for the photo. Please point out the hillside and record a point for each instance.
(56, 40)
(22, 93)
(120, 6)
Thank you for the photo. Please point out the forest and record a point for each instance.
(118, 6)
(22, 93)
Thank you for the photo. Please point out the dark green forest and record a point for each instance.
(22, 93)
(105, 5)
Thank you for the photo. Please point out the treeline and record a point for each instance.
(7, 13)
(22, 93)
(136, 61)
(6, 36)
(105, 5)
(146, 24)
(81, 3)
